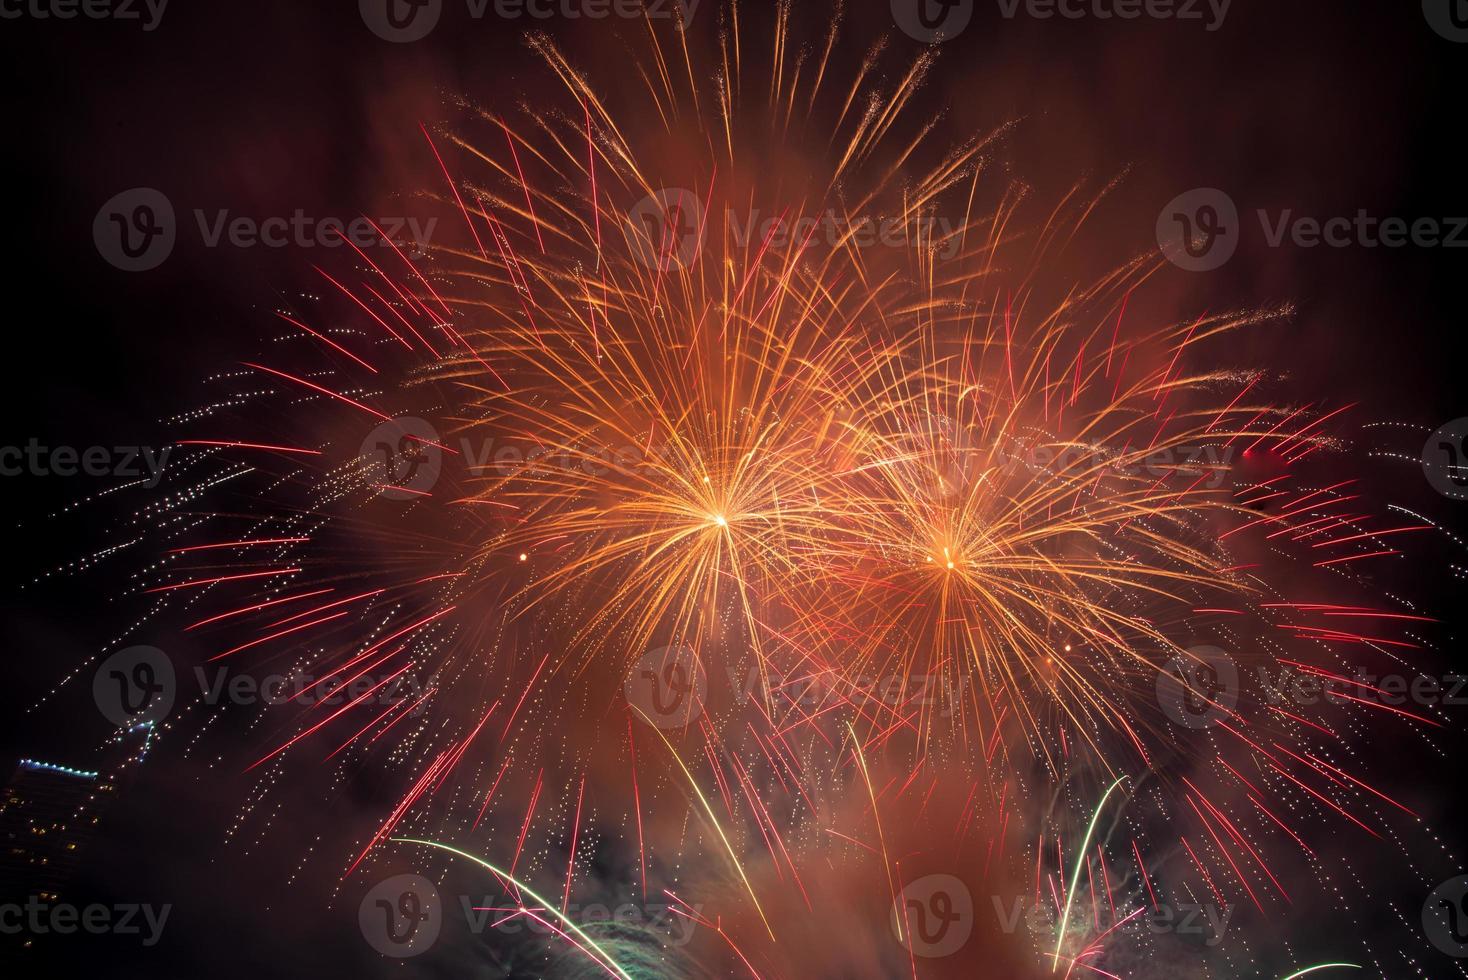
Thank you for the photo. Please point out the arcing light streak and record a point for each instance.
(520, 885)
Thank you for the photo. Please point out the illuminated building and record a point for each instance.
(49, 812)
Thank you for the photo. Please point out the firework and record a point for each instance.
(939, 548)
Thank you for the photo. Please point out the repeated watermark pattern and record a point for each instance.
(404, 916)
(1444, 462)
(140, 685)
(401, 916)
(667, 229)
(137, 229)
(932, 21)
(1198, 686)
(1199, 230)
(405, 21)
(128, 462)
(1208, 463)
(135, 686)
(935, 21)
(1202, 685)
(38, 917)
(1183, 919)
(484, 914)
(406, 457)
(146, 13)
(304, 689)
(1448, 17)
(933, 916)
(410, 457)
(1445, 917)
(1209, 13)
(1289, 685)
(668, 688)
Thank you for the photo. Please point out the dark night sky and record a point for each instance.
(269, 106)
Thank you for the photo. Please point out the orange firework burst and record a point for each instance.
(789, 393)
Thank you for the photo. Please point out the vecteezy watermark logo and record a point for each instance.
(135, 230)
(405, 456)
(1445, 917)
(1179, 10)
(1208, 462)
(935, 21)
(941, 695)
(1307, 686)
(933, 916)
(932, 21)
(38, 918)
(402, 916)
(666, 229)
(1042, 919)
(1444, 462)
(400, 20)
(668, 687)
(1198, 686)
(673, 928)
(1362, 229)
(305, 231)
(130, 462)
(1448, 17)
(412, 20)
(149, 12)
(135, 686)
(301, 689)
(1199, 230)
(839, 231)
